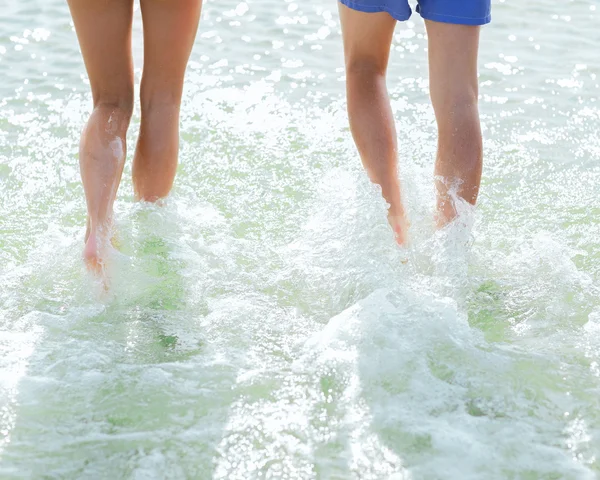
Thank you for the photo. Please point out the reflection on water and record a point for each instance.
(262, 324)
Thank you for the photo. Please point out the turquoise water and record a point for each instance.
(262, 324)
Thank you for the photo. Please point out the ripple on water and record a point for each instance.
(261, 323)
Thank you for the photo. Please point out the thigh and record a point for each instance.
(169, 32)
(452, 63)
(367, 38)
(104, 33)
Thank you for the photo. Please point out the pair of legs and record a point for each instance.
(104, 32)
(453, 89)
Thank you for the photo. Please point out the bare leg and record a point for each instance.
(367, 41)
(454, 90)
(169, 32)
(104, 33)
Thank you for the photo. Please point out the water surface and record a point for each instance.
(262, 324)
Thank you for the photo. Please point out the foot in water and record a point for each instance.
(97, 248)
(400, 226)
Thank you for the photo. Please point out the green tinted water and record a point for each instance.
(261, 323)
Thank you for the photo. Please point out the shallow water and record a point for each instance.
(262, 324)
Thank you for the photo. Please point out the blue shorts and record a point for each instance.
(461, 12)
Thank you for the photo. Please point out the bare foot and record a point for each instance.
(92, 255)
(400, 226)
(97, 248)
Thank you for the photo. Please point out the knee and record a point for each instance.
(456, 103)
(365, 67)
(117, 108)
(160, 99)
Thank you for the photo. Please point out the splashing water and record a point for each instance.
(262, 323)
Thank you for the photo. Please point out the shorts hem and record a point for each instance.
(375, 9)
(443, 18)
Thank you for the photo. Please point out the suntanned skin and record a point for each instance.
(453, 88)
(104, 33)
